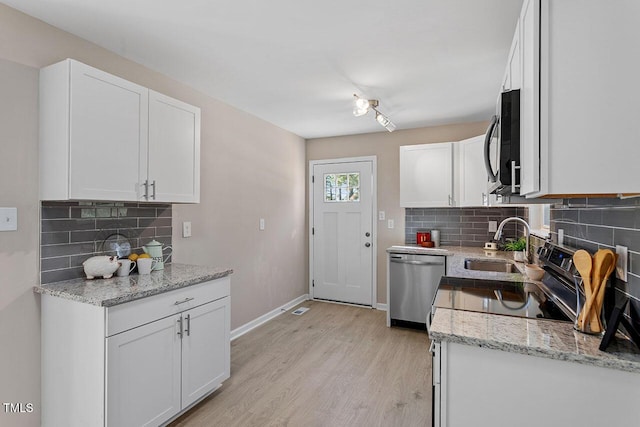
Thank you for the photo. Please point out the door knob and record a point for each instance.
(367, 234)
(367, 244)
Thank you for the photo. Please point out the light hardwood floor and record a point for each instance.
(335, 365)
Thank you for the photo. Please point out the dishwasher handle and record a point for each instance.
(404, 261)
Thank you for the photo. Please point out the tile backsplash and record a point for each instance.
(461, 226)
(71, 232)
(592, 224)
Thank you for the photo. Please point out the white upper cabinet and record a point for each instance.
(472, 176)
(426, 175)
(512, 75)
(93, 134)
(578, 127)
(105, 138)
(174, 149)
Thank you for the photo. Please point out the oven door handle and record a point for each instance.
(487, 149)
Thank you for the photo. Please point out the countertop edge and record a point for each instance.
(133, 294)
(608, 360)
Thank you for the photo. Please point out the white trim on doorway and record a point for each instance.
(374, 209)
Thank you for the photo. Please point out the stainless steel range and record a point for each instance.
(553, 298)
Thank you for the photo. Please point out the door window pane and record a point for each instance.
(342, 187)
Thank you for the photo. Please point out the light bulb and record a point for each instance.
(360, 106)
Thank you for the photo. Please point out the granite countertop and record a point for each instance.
(543, 338)
(118, 290)
(456, 256)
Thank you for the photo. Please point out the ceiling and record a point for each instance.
(297, 63)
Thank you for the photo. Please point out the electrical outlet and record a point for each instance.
(493, 226)
(8, 219)
(381, 216)
(186, 229)
(261, 224)
(390, 224)
(621, 266)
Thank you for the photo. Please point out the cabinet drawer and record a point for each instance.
(135, 313)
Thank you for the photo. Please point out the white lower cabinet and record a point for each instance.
(478, 386)
(140, 363)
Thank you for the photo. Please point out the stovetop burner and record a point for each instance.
(554, 298)
(518, 299)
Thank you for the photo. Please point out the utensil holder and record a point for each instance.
(580, 303)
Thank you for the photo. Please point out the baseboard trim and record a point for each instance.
(381, 307)
(238, 332)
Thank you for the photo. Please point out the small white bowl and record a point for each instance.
(533, 271)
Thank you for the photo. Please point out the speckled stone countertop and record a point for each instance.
(543, 338)
(456, 256)
(118, 290)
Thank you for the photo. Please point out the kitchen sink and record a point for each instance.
(499, 266)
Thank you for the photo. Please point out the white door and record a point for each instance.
(342, 233)
(143, 374)
(108, 136)
(174, 149)
(205, 349)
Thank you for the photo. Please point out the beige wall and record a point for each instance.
(19, 306)
(385, 146)
(250, 170)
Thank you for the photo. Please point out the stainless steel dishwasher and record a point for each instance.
(413, 281)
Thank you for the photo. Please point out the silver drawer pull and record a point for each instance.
(183, 301)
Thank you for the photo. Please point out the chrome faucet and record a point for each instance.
(498, 234)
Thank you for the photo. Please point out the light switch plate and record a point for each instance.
(8, 219)
(261, 223)
(381, 215)
(621, 266)
(390, 224)
(186, 229)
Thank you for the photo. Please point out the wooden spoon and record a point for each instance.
(601, 263)
(609, 264)
(583, 262)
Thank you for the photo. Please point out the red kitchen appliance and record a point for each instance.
(423, 237)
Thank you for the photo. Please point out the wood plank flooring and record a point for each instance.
(335, 365)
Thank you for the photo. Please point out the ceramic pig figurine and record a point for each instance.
(103, 266)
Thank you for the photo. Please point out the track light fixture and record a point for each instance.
(362, 106)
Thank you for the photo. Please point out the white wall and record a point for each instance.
(250, 170)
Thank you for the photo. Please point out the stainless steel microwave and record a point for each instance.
(502, 146)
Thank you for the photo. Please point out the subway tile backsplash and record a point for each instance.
(460, 226)
(71, 232)
(592, 224)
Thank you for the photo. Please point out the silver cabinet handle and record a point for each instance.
(180, 327)
(187, 329)
(449, 199)
(183, 301)
(153, 196)
(513, 177)
(146, 189)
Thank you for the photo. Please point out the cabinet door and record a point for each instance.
(530, 98)
(174, 149)
(143, 374)
(107, 137)
(473, 176)
(426, 175)
(205, 349)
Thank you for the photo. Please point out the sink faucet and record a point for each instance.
(498, 234)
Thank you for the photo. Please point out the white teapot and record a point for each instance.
(155, 251)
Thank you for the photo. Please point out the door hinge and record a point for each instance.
(313, 283)
(313, 231)
(313, 178)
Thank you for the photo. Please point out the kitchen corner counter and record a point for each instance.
(542, 338)
(119, 290)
